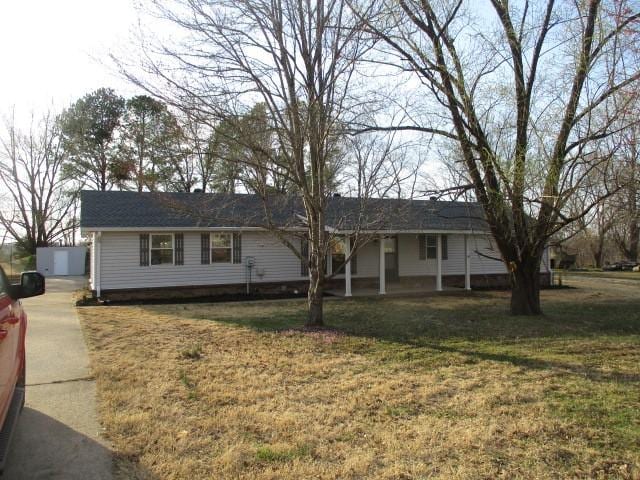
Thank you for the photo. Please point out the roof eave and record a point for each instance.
(87, 230)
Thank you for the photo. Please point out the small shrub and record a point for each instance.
(186, 381)
(190, 384)
(192, 353)
(193, 395)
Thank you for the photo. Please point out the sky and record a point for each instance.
(54, 51)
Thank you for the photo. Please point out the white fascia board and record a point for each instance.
(180, 229)
(86, 230)
(401, 232)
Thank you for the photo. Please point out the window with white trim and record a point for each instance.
(161, 248)
(221, 248)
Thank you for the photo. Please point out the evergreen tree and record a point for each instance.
(88, 129)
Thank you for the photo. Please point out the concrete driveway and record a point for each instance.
(58, 435)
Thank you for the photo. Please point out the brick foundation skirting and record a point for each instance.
(298, 287)
(200, 291)
(496, 280)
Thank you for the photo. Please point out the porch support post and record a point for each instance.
(439, 263)
(383, 286)
(347, 267)
(98, 254)
(467, 264)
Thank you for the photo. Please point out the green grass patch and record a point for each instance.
(603, 274)
(193, 352)
(267, 453)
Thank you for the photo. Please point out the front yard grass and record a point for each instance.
(602, 274)
(443, 386)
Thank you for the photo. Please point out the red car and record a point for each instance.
(13, 327)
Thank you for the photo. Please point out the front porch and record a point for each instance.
(393, 289)
(403, 258)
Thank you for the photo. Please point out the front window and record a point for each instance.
(337, 256)
(432, 246)
(221, 248)
(161, 249)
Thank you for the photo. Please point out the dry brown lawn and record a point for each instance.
(398, 388)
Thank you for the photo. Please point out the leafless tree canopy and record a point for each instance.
(527, 93)
(526, 97)
(297, 58)
(38, 209)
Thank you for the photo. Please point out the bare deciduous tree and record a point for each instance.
(626, 229)
(195, 166)
(524, 90)
(296, 57)
(378, 165)
(41, 207)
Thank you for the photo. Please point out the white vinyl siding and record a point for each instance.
(368, 258)
(484, 251)
(120, 263)
(454, 264)
(410, 264)
(544, 264)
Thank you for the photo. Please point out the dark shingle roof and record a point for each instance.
(202, 210)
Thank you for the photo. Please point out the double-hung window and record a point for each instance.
(432, 246)
(161, 248)
(221, 248)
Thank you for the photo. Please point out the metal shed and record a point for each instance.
(61, 260)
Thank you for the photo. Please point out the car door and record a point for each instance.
(9, 342)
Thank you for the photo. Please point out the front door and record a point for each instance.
(391, 259)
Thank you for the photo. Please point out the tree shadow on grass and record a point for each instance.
(411, 319)
(476, 327)
(588, 372)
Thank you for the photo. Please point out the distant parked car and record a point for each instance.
(623, 266)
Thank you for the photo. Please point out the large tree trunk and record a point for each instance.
(315, 300)
(598, 250)
(598, 255)
(525, 289)
(317, 262)
(634, 240)
(632, 205)
(634, 217)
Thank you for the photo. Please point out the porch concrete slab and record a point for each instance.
(393, 291)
